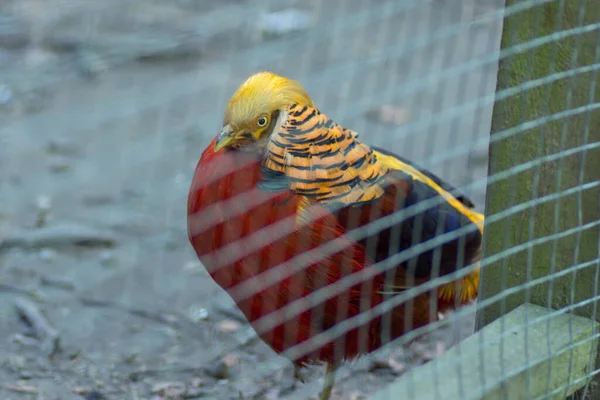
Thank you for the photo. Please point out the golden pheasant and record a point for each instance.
(275, 213)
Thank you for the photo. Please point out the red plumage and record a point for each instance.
(243, 235)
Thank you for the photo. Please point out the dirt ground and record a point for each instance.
(105, 109)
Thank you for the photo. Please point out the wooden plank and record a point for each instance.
(529, 353)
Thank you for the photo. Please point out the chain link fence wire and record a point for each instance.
(106, 108)
(559, 229)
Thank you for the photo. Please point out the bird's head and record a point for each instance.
(256, 109)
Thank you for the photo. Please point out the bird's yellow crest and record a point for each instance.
(264, 92)
(252, 111)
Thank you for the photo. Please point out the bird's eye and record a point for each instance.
(262, 121)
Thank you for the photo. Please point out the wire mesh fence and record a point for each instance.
(107, 108)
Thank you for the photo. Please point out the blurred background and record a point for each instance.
(105, 108)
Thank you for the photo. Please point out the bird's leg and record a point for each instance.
(328, 383)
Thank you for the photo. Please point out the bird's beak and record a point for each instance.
(224, 138)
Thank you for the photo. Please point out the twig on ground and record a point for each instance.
(21, 389)
(58, 235)
(7, 287)
(57, 283)
(30, 313)
(154, 316)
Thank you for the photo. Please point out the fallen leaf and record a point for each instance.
(197, 382)
(356, 395)
(230, 360)
(228, 326)
(80, 390)
(161, 387)
(21, 388)
(169, 390)
(193, 266)
(397, 366)
(390, 114)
